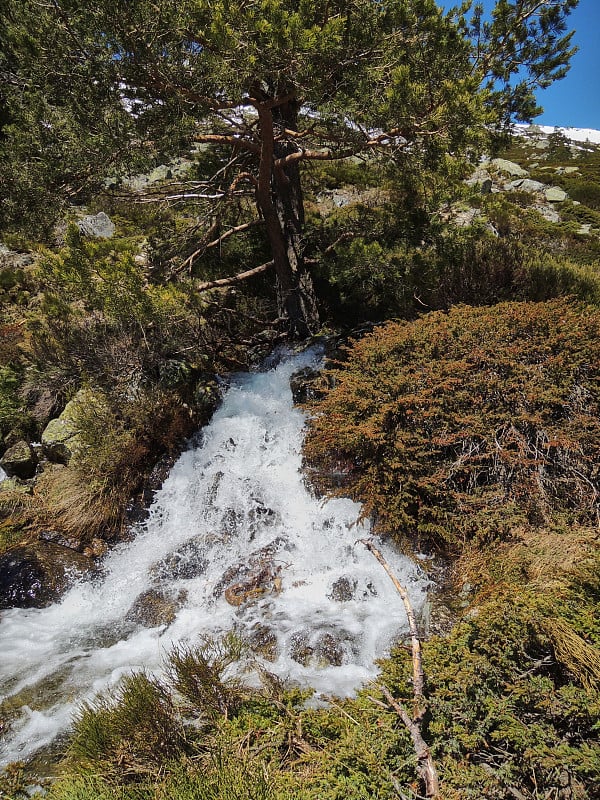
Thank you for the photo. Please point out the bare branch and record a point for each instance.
(235, 141)
(418, 681)
(426, 768)
(241, 276)
(207, 245)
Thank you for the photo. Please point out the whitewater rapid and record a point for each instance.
(233, 502)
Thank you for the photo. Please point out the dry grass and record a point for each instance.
(573, 652)
(542, 558)
(78, 507)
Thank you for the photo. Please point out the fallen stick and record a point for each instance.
(427, 770)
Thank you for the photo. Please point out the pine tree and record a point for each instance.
(106, 88)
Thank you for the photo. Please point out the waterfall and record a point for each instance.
(234, 540)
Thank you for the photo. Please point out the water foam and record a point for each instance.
(235, 503)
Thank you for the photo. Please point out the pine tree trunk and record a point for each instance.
(295, 291)
(279, 196)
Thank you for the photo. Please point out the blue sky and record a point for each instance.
(574, 101)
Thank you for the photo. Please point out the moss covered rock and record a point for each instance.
(19, 461)
(61, 439)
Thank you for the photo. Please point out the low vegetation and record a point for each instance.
(467, 426)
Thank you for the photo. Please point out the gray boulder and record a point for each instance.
(549, 214)
(61, 439)
(482, 180)
(503, 165)
(554, 194)
(12, 259)
(526, 185)
(463, 219)
(97, 226)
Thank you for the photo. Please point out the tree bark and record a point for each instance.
(279, 197)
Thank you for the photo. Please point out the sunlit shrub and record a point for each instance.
(462, 424)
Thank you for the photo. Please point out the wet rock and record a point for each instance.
(329, 650)
(255, 583)
(56, 537)
(137, 508)
(307, 384)
(97, 548)
(301, 650)
(19, 461)
(230, 524)
(207, 395)
(344, 589)
(188, 562)
(326, 649)
(154, 607)
(439, 614)
(250, 580)
(97, 226)
(263, 641)
(36, 575)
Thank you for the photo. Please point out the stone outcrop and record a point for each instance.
(526, 185)
(97, 226)
(509, 167)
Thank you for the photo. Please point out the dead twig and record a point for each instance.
(426, 767)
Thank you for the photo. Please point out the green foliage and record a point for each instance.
(501, 711)
(10, 406)
(199, 675)
(460, 424)
(133, 732)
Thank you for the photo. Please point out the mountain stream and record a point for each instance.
(234, 541)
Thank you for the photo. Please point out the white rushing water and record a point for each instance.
(235, 508)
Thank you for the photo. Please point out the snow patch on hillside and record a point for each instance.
(573, 134)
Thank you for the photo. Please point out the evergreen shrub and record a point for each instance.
(459, 425)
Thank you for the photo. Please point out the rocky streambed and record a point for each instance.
(234, 540)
